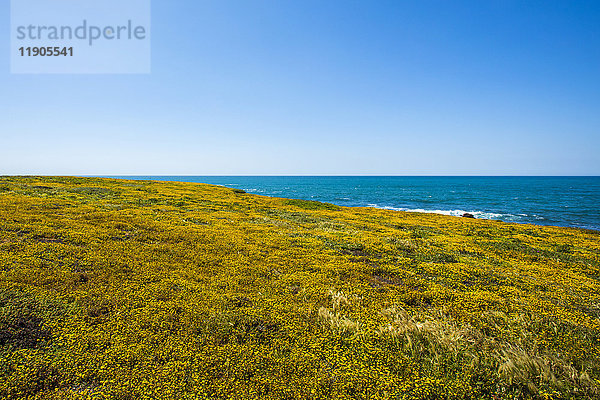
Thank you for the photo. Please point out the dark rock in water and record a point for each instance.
(468, 215)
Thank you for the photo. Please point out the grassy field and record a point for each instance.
(138, 290)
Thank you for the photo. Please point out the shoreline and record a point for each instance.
(520, 198)
(493, 215)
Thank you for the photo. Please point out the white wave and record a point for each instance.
(454, 213)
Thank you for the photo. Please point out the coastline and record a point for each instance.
(545, 201)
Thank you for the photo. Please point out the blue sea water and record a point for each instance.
(560, 201)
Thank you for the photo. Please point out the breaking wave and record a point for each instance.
(455, 213)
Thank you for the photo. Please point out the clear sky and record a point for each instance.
(334, 87)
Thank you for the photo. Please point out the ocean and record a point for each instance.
(559, 201)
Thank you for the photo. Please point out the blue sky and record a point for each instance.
(312, 87)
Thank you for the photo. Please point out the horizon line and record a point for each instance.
(302, 175)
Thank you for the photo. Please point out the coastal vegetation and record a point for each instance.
(142, 290)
